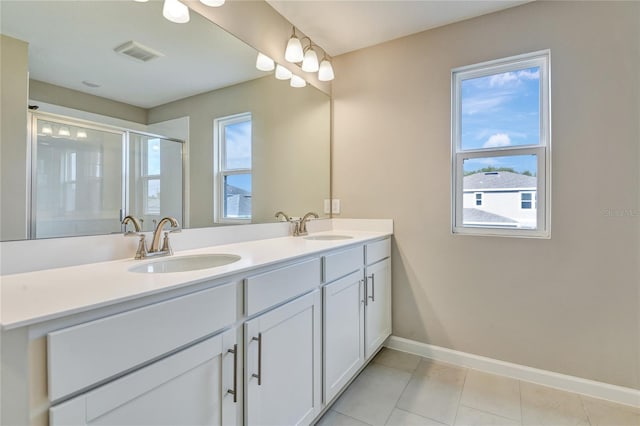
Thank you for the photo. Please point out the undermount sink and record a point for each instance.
(186, 263)
(333, 237)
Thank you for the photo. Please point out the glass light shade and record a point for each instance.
(141, 1)
(283, 73)
(326, 71)
(293, 53)
(64, 131)
(46, 129)
(81, 134)
(310, 61)
(213, 3)
(175, 11)
(297, 81)
(264, 63)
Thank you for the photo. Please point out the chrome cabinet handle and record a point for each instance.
(373, 287)
(234, 392)
(259, 375)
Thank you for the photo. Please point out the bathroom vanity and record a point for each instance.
(271, 338)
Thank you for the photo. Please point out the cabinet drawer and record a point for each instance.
(377, 251)
(339, 264)
(90, 353)
(273, 287)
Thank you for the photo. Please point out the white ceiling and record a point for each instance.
(73, 41)
(341, 26)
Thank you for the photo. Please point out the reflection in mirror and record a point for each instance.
(202, 77)
(88, 177)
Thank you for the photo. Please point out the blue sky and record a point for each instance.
(238, 153)
(501, 110)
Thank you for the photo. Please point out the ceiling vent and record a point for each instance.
(137, 51)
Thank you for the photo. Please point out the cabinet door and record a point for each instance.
(187, 388)
(378, 305)
(282, 371)
(343, 321)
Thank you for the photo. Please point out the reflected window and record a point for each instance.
(233, 168)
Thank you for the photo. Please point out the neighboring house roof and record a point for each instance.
(499, 180)
(238, 201)
(481, 216)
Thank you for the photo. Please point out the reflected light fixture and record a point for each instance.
(175, 11)
(297, 81)
(283, 73)
(141, 1)
(46, 129)
(212, 3)
(64, 131)
(264, 63)
(310, 61)
(294, 53)
(325, 72)
(81, 134)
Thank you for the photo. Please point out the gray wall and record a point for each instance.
(569, 304)
(290, 146)
(13, 143)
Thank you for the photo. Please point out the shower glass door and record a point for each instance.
(77, 179)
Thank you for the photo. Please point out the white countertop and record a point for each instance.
(33, 297)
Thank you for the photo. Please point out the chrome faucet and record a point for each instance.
(284, 215)
(155, 250)
(302, 229)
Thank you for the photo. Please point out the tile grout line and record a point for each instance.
(402, 393)
(464, 382)
(520, 398)
(489, 412)
(584, 409)
(354, 418)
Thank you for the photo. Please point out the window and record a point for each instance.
(150, 176)
(233, 168)
(501, 147)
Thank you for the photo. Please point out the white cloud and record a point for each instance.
(502, 79)
(471, 106)
(529, 75)
(497, 140)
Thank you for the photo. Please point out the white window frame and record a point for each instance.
(542, 150)
(220, 172)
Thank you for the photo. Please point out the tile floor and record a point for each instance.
(401, 389)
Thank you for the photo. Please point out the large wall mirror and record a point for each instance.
(236, 144)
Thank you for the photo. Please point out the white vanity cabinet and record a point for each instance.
(343, 319)
(356, 312)
(377, 295)
(190, 387)
(150, 365)
(283, 349)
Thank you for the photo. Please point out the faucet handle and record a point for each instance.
(166, 245)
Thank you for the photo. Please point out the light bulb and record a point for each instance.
(213, 3)
(46, 129)
(175, 11)
(293, 53)
(326, 71)
(297, 81)
(310, 61)
(81, 134)
(264, 63)
(141, 1)
(282, 73)
(64, 131)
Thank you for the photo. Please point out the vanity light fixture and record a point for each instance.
(81, 134)
(46, 129)
(175, 11)
(64, 131)
(297, 81)
(294, 53)
(325, 73)
(310, 60)
(264, 63)
(283, 73)
(213, 3)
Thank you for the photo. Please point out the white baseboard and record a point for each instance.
(613, 393)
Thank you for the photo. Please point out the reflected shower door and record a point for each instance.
(155, 179)
(77, 180)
